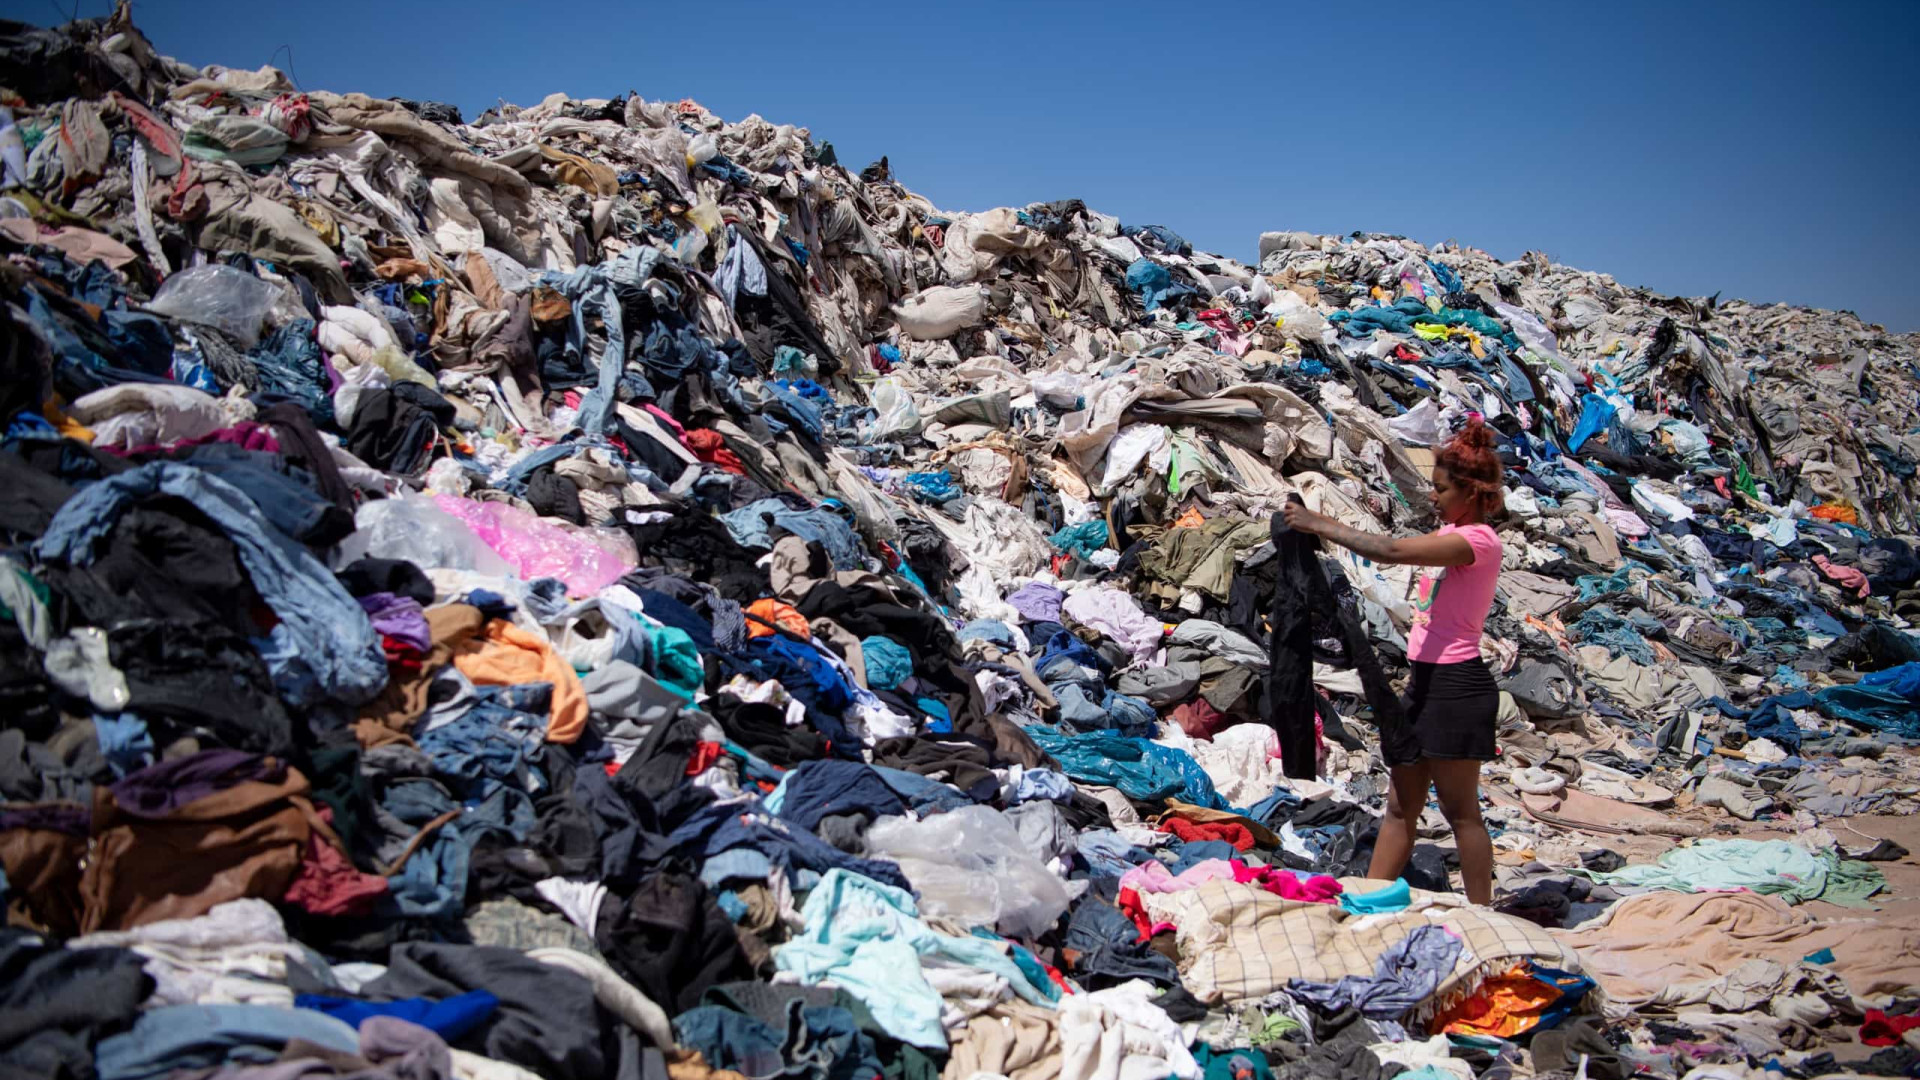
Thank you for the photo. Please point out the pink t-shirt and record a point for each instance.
(1450, 603)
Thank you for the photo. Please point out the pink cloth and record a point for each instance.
(1844, 576)
(83, 245)
(678, 431)
(1318, 889)
(246, 435)
(1154, 877)
(1450, 603)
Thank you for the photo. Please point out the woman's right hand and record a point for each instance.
(1301, 519)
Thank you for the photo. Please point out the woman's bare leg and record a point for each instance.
(1406, 797)
(1458, 785)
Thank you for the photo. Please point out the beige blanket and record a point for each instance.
(1240, 941)
(1645, 946)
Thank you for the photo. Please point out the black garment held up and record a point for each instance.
(1302, 599)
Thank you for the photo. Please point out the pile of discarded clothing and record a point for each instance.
(597, 590)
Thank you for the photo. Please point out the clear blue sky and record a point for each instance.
(1764, 149)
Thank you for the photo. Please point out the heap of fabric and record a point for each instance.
(603, 590)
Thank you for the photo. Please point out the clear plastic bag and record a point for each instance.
(1530, 330)
(355, 381)
(231, 301)
(399, 365)
(898, 415)
(411, 527)
(971, 866)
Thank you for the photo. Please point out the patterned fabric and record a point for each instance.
(1240, 941)
(511, 924)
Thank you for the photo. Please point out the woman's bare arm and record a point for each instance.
(1432, 549)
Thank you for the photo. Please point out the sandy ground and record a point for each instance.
(1901, 899)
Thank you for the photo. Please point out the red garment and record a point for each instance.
(703, 756)
(328, 882)
(1232, 832)
(1198, 719)
(1059, 980)
(708, 445)
(1217, 319)
(1318, 889)
(160, 135)
(1129, 902)
(1883, 1030)
(400, 655)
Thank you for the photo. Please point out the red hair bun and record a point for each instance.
(1471, 464)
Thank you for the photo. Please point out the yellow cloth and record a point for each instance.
(66, 425)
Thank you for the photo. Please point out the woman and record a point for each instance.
(1452, 700)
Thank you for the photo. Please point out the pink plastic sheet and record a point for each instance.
(538, 548)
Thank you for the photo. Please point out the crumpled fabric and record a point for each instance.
(1408, 973)
(1142, 770)
(867, 938)
(1768, 867)
(504, 654)
(888, 663)
(594, 293)
(1845, 576)
(323, 648)
(1116, 615)
(750, 527)
(1083, 539)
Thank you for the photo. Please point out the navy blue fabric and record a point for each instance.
(1110, 948)
(717, 828)
(818, 789)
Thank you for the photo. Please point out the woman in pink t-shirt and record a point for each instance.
(1452, 700)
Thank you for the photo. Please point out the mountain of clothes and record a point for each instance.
(602, 591)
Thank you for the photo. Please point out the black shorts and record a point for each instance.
(1452, 710)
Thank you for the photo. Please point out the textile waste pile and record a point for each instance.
(598, 590)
